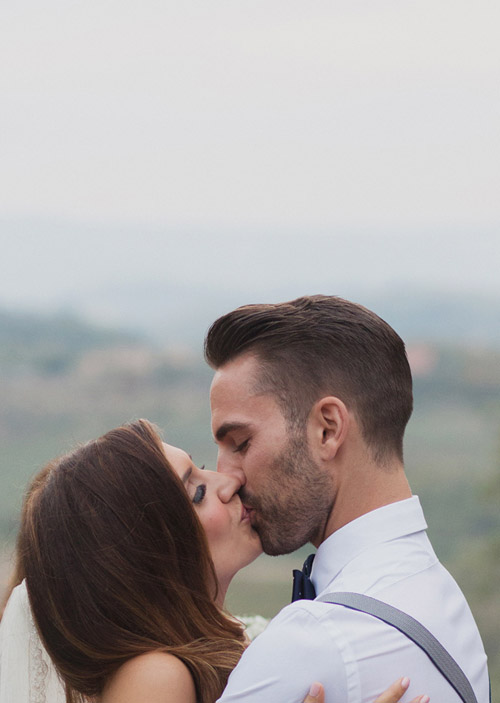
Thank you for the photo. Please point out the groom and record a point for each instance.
(310, 400)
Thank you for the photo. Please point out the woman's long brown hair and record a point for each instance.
(117, 564)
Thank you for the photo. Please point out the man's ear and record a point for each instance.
(329, 421)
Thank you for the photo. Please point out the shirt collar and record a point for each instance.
(405, 517)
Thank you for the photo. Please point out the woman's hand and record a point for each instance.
(316, 694)
(391, 695)
(396, 691)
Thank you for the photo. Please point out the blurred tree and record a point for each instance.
(478, 572)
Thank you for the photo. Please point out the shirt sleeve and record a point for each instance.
(297, 648)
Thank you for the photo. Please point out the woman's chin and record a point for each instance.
(253, 555)
(225, 577)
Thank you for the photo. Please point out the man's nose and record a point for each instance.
(228, 465)
(227, 486)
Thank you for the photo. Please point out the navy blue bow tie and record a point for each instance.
(303, 587)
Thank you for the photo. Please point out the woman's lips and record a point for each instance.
(246, 513)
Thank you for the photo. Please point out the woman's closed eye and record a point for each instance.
(201, 489)
(199, 493)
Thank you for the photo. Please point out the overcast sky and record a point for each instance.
(370, 128)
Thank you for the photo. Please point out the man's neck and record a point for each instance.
(365, 490)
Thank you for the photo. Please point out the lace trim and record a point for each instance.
(254, 624)
(39, 668)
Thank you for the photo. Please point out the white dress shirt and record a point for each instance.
(385, 554)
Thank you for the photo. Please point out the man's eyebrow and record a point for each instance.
(186, 476)
(229, 427)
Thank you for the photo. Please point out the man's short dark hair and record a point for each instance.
(323, 345)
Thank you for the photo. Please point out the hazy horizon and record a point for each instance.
(170, 285)
(50, 264)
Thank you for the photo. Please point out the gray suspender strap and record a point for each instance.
(415, 631)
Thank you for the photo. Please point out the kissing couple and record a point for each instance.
(126, 548)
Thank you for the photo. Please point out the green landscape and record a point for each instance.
(64, 381)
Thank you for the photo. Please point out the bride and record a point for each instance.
(125, 552)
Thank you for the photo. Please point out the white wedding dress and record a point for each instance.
(26, 673)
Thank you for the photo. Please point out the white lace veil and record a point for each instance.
(27, 674)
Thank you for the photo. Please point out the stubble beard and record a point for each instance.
(293, 507)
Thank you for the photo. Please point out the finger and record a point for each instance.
(395, 691)
(316, 694)
(421, 699)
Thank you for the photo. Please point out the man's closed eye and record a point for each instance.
(241, 447)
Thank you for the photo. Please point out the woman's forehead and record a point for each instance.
(176, 456)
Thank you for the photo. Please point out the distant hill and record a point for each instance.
(180, 314)
(469, 320)
(52, 343)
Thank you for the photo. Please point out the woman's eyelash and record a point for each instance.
(202, 468)
(199, 493)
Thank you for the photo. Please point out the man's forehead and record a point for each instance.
(234, 411)
(237, 376)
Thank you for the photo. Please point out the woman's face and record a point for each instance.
(232, 541)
